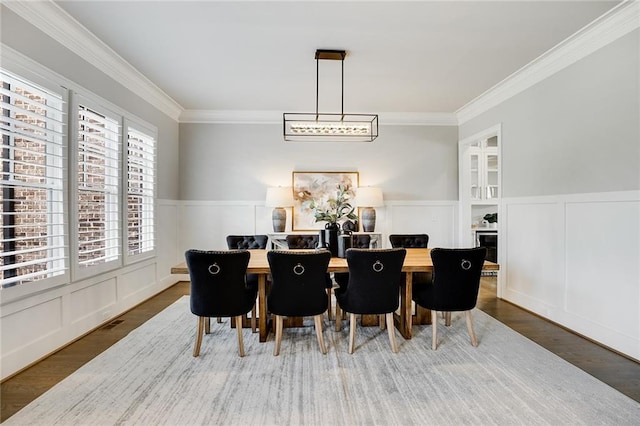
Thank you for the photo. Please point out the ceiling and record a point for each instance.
(402, 57)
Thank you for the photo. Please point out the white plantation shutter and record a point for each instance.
(140, 192)
(98, 152)
(32, 184)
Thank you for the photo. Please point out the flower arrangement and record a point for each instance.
(334, 207)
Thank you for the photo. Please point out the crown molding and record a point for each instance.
(230, 117)
(418, 119)
(275, 117)
(62, 27)
(609, 27)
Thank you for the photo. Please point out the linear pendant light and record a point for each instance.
(329, 127)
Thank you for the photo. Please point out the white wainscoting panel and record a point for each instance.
(24, 328)
(603, 265)
(205, 224)
(575, 259)
(533, 270)
(97, 300)
(137, 285)
(437, 219)
(29, 333)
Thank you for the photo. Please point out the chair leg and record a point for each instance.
(219, 320)
(276, 350)
(338, 317)
(381, 321)
(254, 326)
(207, 325)
(392, 332)
(434, 328)
(447, 318)
(329, 294)
(239, 331)
(318, 322)
(352, 332)
(199, 330)
(472, 333)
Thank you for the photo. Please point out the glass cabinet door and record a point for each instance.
(475, 181)
(491, 176)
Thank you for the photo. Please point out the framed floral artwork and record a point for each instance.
(325, 196)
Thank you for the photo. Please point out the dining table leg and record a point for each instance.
(262, 307)
(404, 321)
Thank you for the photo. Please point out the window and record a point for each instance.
(140, 192)
(97, 189)
(77, 197)
(32, 184)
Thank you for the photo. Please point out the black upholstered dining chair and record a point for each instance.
(310, 242)
(298, 289)
(302, 241)
(357, 241)
(247, 242)
(373, 288)
(409, 240)
(454, 286)
(218, 289)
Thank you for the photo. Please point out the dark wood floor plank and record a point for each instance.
(616, 370)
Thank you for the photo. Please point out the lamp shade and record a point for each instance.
(281, 196)
(367, 196)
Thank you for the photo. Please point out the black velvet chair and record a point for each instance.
(454, 287)
(298, 289)
(218, 289)
(373, 288)
(357, 241)
(412, 241)
(409, 240)
(360, 241)
(310, 242)
(248, 242)
(302, 241)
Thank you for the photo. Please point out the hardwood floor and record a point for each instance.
(619, 372)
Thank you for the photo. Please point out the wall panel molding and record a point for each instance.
(574, 260)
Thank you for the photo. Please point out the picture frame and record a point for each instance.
(319, 187)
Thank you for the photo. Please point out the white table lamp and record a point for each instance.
(279, 197)
(367, 198)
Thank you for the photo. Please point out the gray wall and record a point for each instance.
(575, 132)
(569, 223)
(23, 37)
(238, 162)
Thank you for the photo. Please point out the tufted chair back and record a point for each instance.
(456, 280)
(218, 288)
(298, 288)
(409, 240)
(360, 241)
(373, 287)
(369, 290)
(247, 242)
(299, 241)
(454, 287)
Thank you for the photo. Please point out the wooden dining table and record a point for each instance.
(416, 260)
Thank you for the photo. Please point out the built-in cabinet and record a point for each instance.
(484, 168)
(480, 191)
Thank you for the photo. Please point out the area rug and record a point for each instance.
(151, 378)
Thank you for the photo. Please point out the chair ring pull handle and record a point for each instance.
(378, 266)
(298, 269)
(214, 269)
(465, 264)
